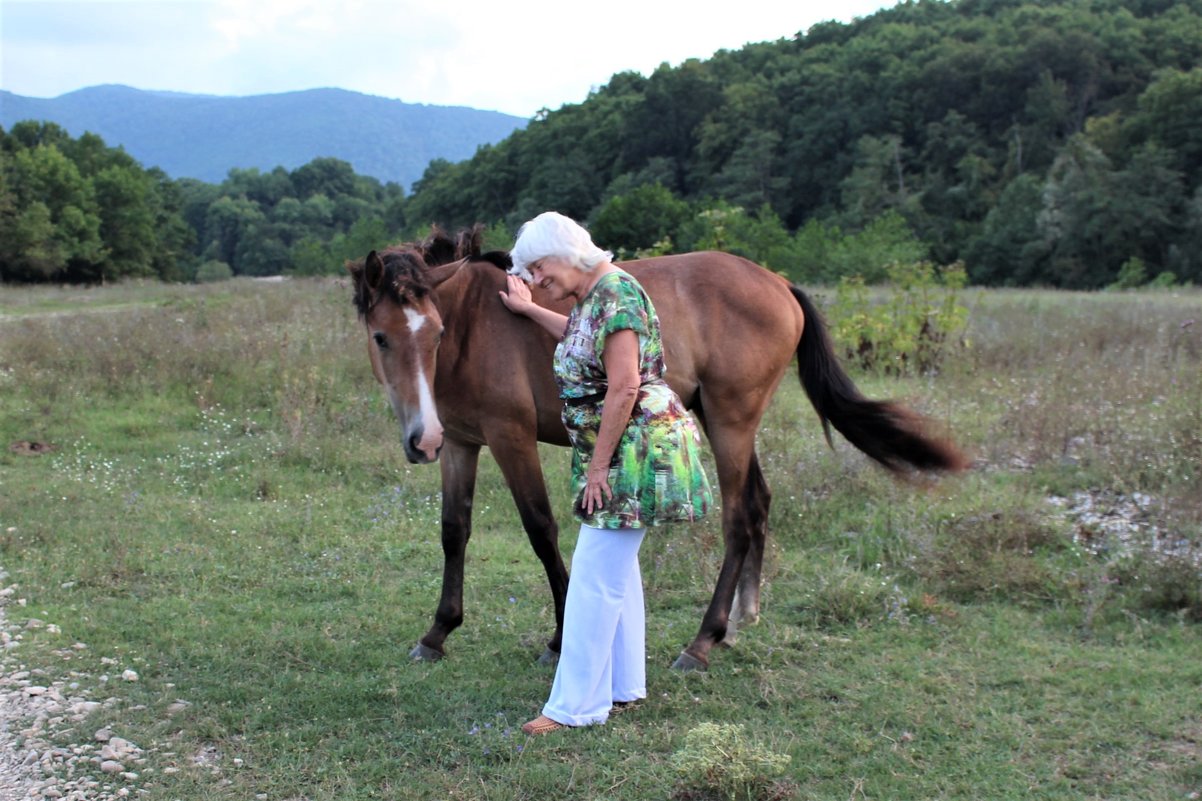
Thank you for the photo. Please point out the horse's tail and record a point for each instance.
(885, 431)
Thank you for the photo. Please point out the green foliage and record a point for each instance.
(637, 220)
(1132, 274)
(77, 211)
(1044, 144)
(718, 761)
(1040, 144)
(1159, 582)
(1163, 280)
(213, 270)
(911, 331)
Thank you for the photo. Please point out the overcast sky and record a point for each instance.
(515, 56)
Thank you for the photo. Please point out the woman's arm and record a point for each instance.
(519, 301)
(621, 359)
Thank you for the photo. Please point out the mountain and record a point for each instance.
(204, 136)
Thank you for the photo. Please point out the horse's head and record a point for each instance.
(392, 293)
(394, 296)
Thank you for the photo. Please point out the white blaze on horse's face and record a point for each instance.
(403, 347)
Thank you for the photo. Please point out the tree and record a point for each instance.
(54, 230)
(646, 215)
(127, 222)
(227, 222)
(1009, 250)
(324, 176)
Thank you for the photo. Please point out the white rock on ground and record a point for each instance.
(33, 708)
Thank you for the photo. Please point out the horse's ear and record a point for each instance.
(436, 275)
(469, 242)
(438, 248)
(373, 271)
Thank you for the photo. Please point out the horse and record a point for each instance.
(461, 372)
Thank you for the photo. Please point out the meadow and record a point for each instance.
(204, 484)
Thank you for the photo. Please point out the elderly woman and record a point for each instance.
(635, 459)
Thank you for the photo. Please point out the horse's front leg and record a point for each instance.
(517, 456)
(458, 464)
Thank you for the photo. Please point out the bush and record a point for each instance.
(718, 762)
(213, 270)
(1162, 582)
(910, 331)
(994, 556)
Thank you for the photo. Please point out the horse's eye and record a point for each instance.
(381, 340)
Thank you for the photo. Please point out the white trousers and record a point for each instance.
(603, 658)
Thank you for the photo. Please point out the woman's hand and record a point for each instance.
(596, 490)
(518, 299)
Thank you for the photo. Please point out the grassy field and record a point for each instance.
(204, 484)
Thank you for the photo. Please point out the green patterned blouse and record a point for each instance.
(656, 474)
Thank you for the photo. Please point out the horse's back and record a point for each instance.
(728, 324)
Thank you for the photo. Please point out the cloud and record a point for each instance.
(512, 57)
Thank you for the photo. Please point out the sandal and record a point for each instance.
(542, 725)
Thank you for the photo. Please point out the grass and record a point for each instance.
(223, 507)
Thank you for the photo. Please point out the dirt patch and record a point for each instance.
(25, 447)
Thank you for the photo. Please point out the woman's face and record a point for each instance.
(558, 277)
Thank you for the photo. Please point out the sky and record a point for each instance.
(513, 56)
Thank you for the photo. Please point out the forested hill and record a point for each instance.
(1054, 142)
(203, 136)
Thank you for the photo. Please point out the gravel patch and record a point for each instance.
(40, 712)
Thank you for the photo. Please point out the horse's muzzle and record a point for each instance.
(422, 449)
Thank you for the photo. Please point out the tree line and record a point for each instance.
(75, 210)
(1054, 142)
(1049, 143)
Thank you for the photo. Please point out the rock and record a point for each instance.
(111, 766)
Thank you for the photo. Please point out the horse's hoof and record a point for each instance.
(687, 663)
(424, 653)
(549, 658)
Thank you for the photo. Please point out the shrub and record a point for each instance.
(839, 596)
(993, 555)
(910, 331)
(1133, 273)
(719, 762)
(1162, 582)
(212, 271)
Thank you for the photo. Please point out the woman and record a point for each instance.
(635, 459)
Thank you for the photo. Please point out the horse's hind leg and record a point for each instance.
(744, 517)
(458, 464)
(745, 609)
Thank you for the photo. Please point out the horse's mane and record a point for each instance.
(405, 265)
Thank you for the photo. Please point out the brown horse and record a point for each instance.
(461, 371)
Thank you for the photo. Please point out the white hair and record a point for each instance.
(551, 234)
